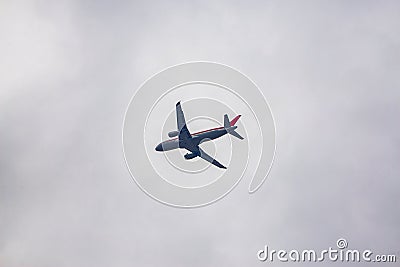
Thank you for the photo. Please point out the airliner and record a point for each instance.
(183, 139)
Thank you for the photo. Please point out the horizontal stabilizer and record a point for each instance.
(230, 126)
(235, 134)
(227, 124)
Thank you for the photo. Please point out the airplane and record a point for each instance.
(184, 139)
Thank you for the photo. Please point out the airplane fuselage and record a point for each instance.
(197, 138)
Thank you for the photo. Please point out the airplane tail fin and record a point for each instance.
(230, 126)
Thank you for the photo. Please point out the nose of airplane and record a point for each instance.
(159, 147)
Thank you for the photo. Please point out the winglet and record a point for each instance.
(179, 102)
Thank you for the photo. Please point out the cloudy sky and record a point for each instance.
(329, 70)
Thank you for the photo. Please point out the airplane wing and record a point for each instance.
(181, 123)
(210, 159)
(180, 117)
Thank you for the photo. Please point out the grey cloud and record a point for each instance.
(328, 69)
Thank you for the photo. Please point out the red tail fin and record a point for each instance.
(233, 122)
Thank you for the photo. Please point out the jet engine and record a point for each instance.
(173, 134)
(190, 155)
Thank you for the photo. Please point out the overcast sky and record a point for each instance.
(329, 70)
